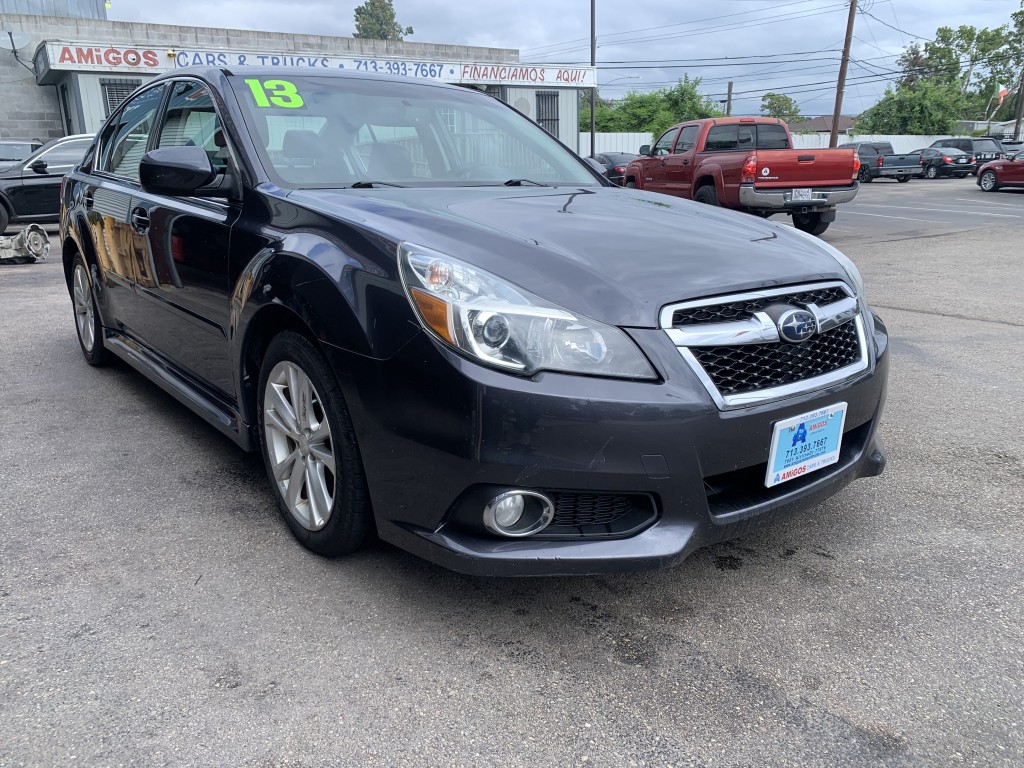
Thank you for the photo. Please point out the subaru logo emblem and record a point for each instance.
(797, 325)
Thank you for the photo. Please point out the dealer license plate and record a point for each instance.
(803, 193)
(805, 443)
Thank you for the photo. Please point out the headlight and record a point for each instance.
(503, 326)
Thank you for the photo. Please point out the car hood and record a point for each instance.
(615, 255)
(6, 165)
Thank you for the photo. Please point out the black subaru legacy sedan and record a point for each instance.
(435, 321)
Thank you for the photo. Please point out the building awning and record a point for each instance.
(54, 58)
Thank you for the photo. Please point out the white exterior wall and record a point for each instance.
(631, 142)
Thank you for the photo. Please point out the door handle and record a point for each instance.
(686, 161)
(140, 221)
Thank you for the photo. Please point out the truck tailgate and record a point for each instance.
(786, 168)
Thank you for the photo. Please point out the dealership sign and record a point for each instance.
(81, 57)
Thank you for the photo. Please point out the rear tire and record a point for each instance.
(988, 182)
(932, 172)
(706, 195)
(5, 219)
(864, 176)
(309, 448)
(902, 179)
(87, 316)
(811, 223)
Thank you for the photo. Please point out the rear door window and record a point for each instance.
(772, 137)
(131, 135)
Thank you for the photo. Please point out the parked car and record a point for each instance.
(746, 163)
(445, 341)
(947, 161)
(614, 164)
(30, 189)
(878, 160)
(983, 150)
(1002, 173)
(15, 150)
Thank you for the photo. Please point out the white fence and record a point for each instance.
(630, 142)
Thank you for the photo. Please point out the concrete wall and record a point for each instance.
(29, 111)
(80, 9)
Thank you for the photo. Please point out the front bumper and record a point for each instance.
(438, 433)
(782, 199)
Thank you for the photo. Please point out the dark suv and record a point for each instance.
(983, 150)
(433, 319)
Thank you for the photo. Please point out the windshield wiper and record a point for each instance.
(525, 182)
(372, 184)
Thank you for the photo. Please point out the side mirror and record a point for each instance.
(645, 149)
(39, 166)
(179, 171)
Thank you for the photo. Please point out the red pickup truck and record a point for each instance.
(747, 163)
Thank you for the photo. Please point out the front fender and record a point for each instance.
(341, 300)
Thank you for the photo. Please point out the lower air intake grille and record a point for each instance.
(590, 508)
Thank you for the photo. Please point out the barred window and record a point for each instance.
(115, 91)
(547, 111)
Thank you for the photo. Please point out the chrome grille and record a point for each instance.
(734, 347)
(751, 367)
(742, 309)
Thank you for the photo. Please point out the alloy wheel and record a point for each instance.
(84, 313)
(988, 181)
(299, 445)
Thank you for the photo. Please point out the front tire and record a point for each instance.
(706, 195)
(988, 182)
(630, 184)
(810, 223)
(5, 219)
(310, 450)
(932, 172)
(87, 316)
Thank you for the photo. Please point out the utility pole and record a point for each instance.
(1020, 108)
(593, 63)
(841, 84)
(728, 101)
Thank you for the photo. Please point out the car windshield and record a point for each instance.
(11, 151)
(339, 132)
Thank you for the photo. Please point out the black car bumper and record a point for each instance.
(440, 436)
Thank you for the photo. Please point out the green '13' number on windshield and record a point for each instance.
(277, 93)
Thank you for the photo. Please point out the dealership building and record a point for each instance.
(65, 74)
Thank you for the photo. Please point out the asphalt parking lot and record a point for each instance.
(154, 609)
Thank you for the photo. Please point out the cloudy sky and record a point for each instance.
(791, 46)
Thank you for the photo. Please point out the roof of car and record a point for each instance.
(213, 73)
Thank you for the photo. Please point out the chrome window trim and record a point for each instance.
(755, 331)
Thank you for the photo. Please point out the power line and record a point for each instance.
(897, 29)
(716, 28)
(663, 26)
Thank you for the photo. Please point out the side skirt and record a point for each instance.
(213, 409)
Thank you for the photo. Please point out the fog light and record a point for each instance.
(508, 511)
(518, 513)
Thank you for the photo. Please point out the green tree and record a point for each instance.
(927, 108)
(375, 19)
(780, 106)
(652, 112)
